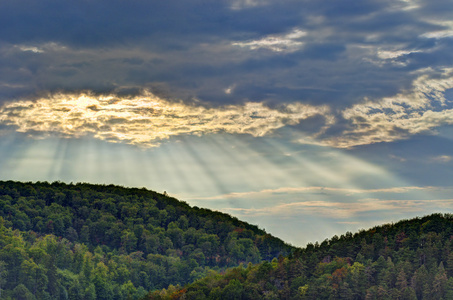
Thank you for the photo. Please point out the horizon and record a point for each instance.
(315, 242)
(322, 117)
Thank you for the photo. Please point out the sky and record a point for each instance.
(307, 118)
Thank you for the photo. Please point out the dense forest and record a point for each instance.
(412, 259)
(83, 241)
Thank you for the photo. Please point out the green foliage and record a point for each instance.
(407, 260)
(83, 241)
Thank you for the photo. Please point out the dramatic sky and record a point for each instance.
(308, 118)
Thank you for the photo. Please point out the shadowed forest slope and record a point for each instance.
(411, 259)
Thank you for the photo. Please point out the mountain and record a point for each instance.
(84, 241)
(411, 259)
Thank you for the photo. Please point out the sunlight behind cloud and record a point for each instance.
(145, 120)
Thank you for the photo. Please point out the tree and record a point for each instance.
(34, 276)
(75, 291)
(20, 292)
(450, 264)
(52, 276)
(420, 281)
(128, 241)
(449, 289)
(401, 281)
(127, 290)
(233, 290)
(102, 283)
(440, 282)
(358, 280)
(3, 275)
(90, 292)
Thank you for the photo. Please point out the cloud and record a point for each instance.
(31, 49)
(230, 89)
(136, 120)
(41, 48)
(442, 158)
(393, 118)
(242, 4)
(409, 4)
(317, 189)
(145, 120)
(440, 34)
(289, 42)
(276, 52)
(349, 223)
(343, 210)
(398, 158)
(187, 48)
(395, 55)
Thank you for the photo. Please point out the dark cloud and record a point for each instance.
(103, 23)
(188, 48)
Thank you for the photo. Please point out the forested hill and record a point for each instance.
(411, 259)
(88, 241)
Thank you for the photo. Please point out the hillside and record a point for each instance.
(83, 241)
(411, 259)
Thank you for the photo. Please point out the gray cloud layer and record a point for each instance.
(367, 61)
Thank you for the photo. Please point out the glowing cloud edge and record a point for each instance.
(147, 119)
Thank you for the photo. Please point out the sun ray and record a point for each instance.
(213, 171)
(264, 172)
(9, 147)
(59, 160)
(226, 150)
(181, 167)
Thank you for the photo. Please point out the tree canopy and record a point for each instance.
(83, 241)
(411, 259)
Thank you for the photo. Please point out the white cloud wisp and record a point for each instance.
(278, 43)
(394, 118)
